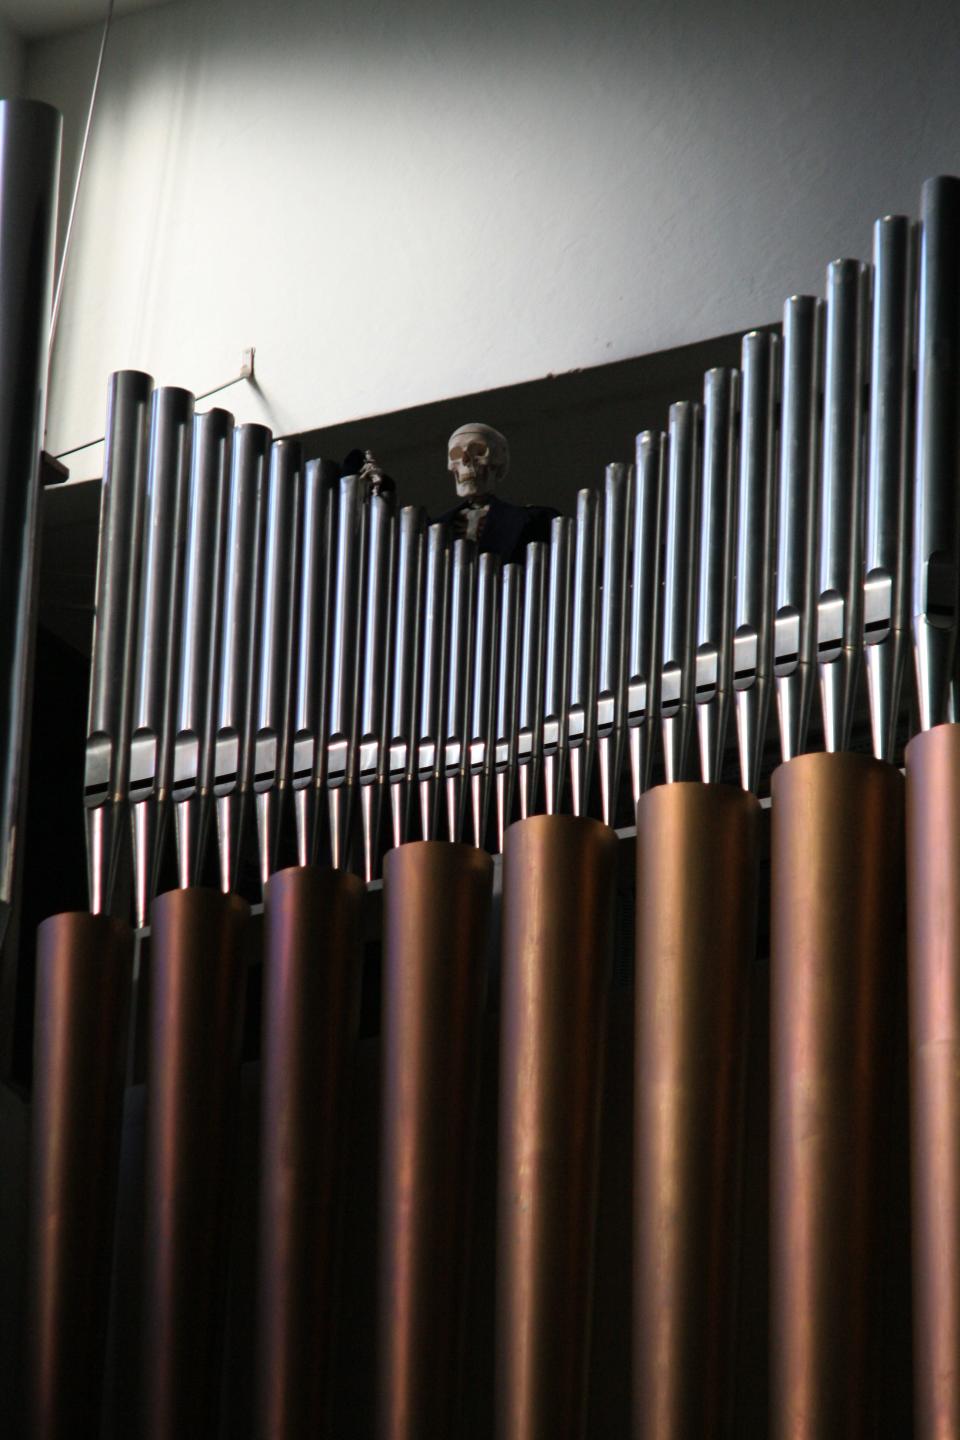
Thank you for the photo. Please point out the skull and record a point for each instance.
(478, 459)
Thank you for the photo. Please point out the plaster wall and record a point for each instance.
(401, 203)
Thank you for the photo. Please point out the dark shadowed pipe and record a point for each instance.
(84, 970)
(836, 910)
(313, 968)
(436, 913)
(557, 931)
(197, 989)
(29, 175)
(933, 938)
(697, 884)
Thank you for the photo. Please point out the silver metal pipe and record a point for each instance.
(376, 622)
(311, 654)
(158, 632)
(936, 502)
(680, 586)
(556, 664)
(756, 538)
(886, 592)
(107, 755)
(530, 700)
(718, 533)
(505, 704)
(798, 535)
(840, 603)
(29, 172)
(272, 738)
(581, 705)
(340, 767)
(456, 705)
(193, 747)
(480, 729)
(238, 650)
(433, 636)
(404, 668)
(610, 648)
(643, 636)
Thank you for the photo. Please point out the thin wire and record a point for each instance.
(58, 294)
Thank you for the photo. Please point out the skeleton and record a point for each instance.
(479, 460)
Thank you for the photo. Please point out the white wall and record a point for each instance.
(399, 202)
(12, 62)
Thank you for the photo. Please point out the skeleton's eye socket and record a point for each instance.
(476, 449)
(456, 453)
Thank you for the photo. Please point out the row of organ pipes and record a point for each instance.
(279, 654)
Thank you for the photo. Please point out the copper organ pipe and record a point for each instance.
(697, 882)
(197, 989)
(837, 898)
(84, 973)
(313, 969)
(436, 913)
(933, 939)
(557, 936)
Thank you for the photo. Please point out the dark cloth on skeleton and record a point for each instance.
(507, 529)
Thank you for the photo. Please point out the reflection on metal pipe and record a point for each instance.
(610, 651)
(840, 603)
(480, 734)
(530, 699)
(936, 505)
(718, 534)
(192, 778)
(698, 861)
(756, 538)
(680, 587)
(643, 637)
(836, 906)
(886, 596)
(794, 626)
(29, 175)
(456, 706)
(236, 686)
(505, 704)
(405, 668)
(376, 602)
(344, 667)
(106, 775)
(311, 656)
(556, 664)
(581, 714)
(432, 660)
(84, 974)
(557, 936)
(158, 636)
(272, 738)
(436, 914)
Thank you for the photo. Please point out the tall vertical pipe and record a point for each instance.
(197, 987)
(436, 913)
(84, 972)
(697, 881)
(557, 933)
(836, 903)
(313, 968)
(933, 938)
(29, 173)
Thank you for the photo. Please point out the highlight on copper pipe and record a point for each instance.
(698, 857)
(436, 912)
(197, 990)
(313, 969)
(84, 973)
(558, 891)
(836, 901)
(933, 953)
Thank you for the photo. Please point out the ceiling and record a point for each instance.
(36, 18)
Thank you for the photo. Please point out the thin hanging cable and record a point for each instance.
(58, 293)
